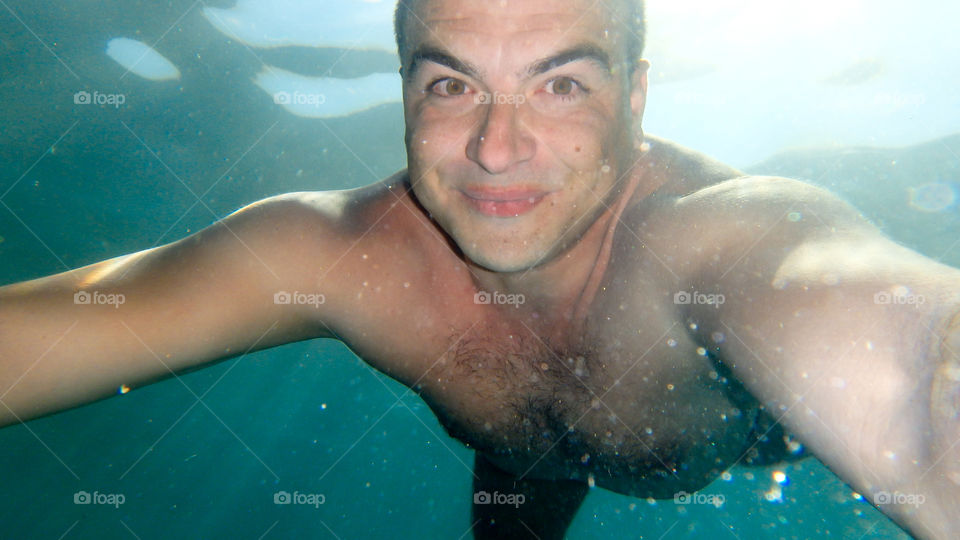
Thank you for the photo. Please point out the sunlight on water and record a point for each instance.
(141, 59)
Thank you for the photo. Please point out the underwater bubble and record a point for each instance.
(774, 494)
(781, 478)
(794, 447)
(933, 197)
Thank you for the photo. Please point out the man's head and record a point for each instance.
(521, 118)
(628, 13)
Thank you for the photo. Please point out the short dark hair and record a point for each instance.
(630, 12)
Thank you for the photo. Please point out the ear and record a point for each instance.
(638, 94)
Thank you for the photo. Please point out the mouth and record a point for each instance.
(503, 203)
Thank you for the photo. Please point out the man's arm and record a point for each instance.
(79, 336)
(848, 339)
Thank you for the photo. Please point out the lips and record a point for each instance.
(503, 202)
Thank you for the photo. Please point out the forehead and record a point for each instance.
(512, 27)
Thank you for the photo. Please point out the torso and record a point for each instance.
(623, 397)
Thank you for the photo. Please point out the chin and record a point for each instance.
(501, 265)
(507, 260)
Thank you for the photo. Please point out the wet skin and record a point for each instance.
(600, 374)
(620, 395)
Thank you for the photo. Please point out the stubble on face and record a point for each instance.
(515, 180)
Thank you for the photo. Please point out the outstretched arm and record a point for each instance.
(848, 339)
(79, 336)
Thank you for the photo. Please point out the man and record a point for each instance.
(581, 305)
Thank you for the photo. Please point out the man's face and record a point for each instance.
(518, 118)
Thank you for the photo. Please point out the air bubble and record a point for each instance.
(781, 478)
(935, 197)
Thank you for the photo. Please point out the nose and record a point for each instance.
(502, 140)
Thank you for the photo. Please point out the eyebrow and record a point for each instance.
(576, 53)
(438, 56)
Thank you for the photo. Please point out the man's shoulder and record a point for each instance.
(685, 176)
(337, 212)
(762, 200)
(756, 202)
(732, 216)
(334, 204)
(677, 170)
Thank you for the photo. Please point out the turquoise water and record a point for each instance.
(84, 183)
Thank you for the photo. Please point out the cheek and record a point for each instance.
(434, 140)
(582, 140)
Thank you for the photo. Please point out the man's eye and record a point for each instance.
(563, 86)
(449, 87)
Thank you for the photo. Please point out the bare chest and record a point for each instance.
(640, 414)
